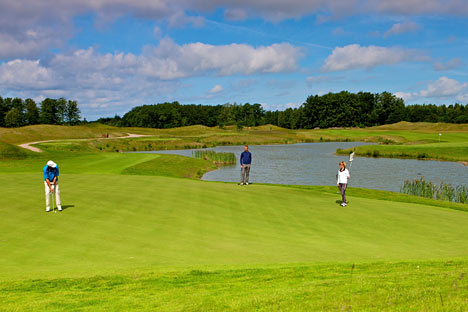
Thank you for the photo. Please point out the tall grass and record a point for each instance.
(216, 158)
(441, 191)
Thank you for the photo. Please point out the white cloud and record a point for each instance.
(356, 57)
(451, 64)
(293, 105)
(172, 61)
(463, 98)
(122, 79)
(399, 28)
(406, 96)
(18, 74)
(443, 87)
(30, 27)
(216, 89)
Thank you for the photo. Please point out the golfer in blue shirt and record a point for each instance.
(245, 162)
(51, 173)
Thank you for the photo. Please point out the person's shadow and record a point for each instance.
(339, 202)
(67, 206)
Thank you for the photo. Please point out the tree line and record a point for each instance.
(342, 109)
(170, 115)
(16, 112)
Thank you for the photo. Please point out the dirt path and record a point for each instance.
(38, 150)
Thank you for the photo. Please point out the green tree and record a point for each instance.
(49, 113)
(32, 113)
(72, 113)
(19, 105)
(14, 118)
(61, 105)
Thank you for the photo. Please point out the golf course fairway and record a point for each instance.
(131, 241)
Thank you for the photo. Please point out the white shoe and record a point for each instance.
(60, 208)
(342, 204)
(247, 183)
(241, 184)
(47, 210)
(345, 204)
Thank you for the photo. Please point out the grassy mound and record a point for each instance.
(172, 166)
(50, 132)
(9, 151)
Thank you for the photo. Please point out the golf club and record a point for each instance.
(53, 198)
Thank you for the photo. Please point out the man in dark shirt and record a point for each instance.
(245, 161)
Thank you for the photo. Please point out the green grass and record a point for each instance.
(160, 243)
(10, 151)
(50, 132)
(385, 195)
(407, 286)
(135, 236)
(172, 166)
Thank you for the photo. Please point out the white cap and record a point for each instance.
(50, 163)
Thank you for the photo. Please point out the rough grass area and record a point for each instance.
(10, 151)
(50, 132)
(407, 286)
(217, 158)
(172, 166)
(402, 140)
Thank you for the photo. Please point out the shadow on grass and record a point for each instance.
(339, 201)
(67, 206)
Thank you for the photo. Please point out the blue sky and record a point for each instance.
(111, 55)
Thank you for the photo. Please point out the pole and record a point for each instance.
(53, 198)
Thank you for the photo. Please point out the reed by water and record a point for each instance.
(217, 158)
(439, 191)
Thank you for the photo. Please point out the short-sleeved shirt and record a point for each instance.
(50, 173)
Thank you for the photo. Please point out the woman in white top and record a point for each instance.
(342, 181)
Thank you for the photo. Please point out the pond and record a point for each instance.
(316, 164)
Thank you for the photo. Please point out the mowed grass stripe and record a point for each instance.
(411, 286)
(120, 223)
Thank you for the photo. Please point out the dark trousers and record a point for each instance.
(245, 173)
(342, 187)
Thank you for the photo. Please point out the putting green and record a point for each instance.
(121, 223)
